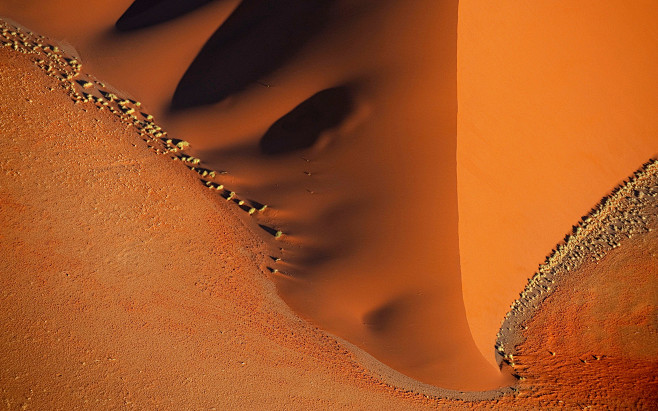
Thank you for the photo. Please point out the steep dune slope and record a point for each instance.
(126, 283)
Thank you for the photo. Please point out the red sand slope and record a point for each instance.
(370, 212)
(125, 283)
(353, 261)
(594, 342)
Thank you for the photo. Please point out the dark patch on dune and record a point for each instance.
(381, 319)
(145, 13)
(257, 38)
(270, 230)
(302, 126)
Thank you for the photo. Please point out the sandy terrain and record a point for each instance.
(557, 104)
(307, 178)
(369, 200)
(584, 331)
(346, 262)
(127, 282)
(594, 342)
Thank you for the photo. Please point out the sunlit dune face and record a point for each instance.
(557, 104)
(341, 117)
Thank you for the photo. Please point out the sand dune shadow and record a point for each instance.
(145, 13)
(303, 126)
(257, 38)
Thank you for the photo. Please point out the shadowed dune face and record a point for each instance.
(257, 38)
(352, 165)
(303, 126)
(145, 13)
(341, 116)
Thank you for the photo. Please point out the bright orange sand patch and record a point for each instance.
(558, 103)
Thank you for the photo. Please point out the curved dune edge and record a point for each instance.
(631, 208)
(364, 371)
(584, 329)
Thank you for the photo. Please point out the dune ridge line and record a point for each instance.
(629, 210)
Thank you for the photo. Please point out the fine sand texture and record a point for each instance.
(419, 158)
(129, 280)
(128, 283)
(366, 200)
(584, 331)
(308, 158)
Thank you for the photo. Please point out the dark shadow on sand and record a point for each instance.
(302, 126)
(145, 13)
(256, 39)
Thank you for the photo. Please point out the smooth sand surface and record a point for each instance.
(558, 102)
(375, 247)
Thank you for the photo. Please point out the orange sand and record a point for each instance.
(352, 261)
(557, 104)
(371, 244)
(125, 283)
(594, 340)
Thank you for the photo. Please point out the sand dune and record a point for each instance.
(558, 104)
(584, 330)
(345, 255)
(335, 129)
(128, 283)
